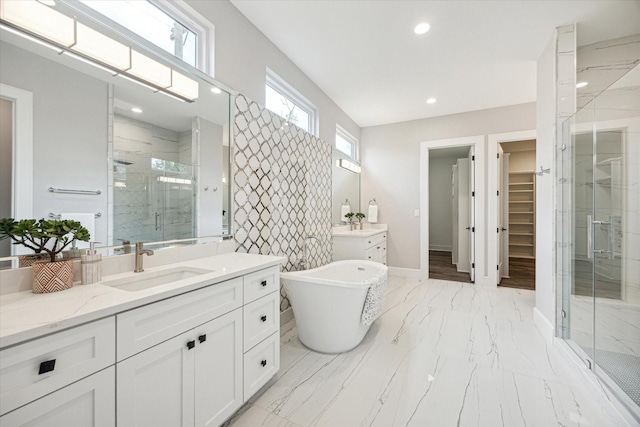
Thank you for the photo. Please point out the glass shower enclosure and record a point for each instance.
(598, 226)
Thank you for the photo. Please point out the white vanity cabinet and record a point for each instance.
(370, 246)
(190, 355)
(61, 379)
(181, 361)
(192, 379)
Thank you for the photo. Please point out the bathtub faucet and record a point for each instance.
(305, 251)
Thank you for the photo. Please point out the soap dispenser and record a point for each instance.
(91, 264)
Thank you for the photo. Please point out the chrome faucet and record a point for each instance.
(139, 252)
(305, 251)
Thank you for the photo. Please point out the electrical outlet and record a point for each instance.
(416, 212)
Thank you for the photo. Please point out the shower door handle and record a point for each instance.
(590, 246)
(589, 237)
(157, 221)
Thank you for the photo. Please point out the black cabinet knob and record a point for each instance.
(202, 338)
(264, 362)
(263, 318)
(378, 247)
(263, 283)
(191, 344)
(47, 366)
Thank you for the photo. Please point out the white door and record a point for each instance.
(156, 387)
(218, 369)
(501, 220)
(504, 193)
(454, 209)
(89, 402)
(464, 228)
(471, 217)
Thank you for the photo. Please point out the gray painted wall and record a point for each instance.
(390, 157)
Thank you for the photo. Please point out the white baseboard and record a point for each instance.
(544, 325)
(443, 248)
(405, 272)
(286, 316)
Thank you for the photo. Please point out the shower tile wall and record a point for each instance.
(138, 194)
(282, 179)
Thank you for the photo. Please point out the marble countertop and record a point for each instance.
(25, 315)
(369, 230)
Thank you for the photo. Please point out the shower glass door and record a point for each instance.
(599, 236)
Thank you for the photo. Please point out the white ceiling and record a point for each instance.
(477, 55)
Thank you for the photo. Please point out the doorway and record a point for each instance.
(516, 227)
(450, 214)
(479, 267)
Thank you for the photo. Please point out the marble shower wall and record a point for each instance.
(602, 63)
(282, 188)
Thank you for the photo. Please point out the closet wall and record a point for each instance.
(440, 208)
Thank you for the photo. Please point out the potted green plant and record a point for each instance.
(349, 217)
(50, 237)
(360, 217)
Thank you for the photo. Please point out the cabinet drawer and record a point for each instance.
(63, 358)
(375, 240)
(260, 283)
(89, 403)
(261, 319)
(147, 326)
(260, 364)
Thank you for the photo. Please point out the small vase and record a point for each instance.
(361, 226)
(50, 276)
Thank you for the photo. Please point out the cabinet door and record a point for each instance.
(89, 402)
(155, 387)
(218, 369)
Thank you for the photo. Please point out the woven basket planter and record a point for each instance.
(50, 276)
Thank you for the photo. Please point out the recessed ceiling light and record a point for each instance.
(136, 110)
(216, 90)
(431, 101)
(421, 28)
(581, 84)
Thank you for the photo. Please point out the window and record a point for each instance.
(346, 143)
(288, 103)
(174, 27)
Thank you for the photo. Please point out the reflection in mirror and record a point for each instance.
(149, 166)
(345, 185)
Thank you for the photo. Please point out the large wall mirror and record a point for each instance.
(345, 187)
(133, 162)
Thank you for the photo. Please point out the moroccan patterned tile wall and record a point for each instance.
(282, 180)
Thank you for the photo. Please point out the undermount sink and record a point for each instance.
(151, 279)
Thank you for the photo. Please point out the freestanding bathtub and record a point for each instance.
(328, 302)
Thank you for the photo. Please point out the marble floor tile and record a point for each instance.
(442, 354)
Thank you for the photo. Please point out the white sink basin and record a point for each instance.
(146, 280)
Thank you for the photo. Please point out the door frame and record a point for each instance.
(478, 142)
(22, 161)
(492, 188)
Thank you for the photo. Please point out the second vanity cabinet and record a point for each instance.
(189, 360)
(370, 246)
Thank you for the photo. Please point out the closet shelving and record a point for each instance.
(522, 215)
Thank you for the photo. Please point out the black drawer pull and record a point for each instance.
(191, 344)
(47, 366)
(202, 338)
(263, 283)
(264, 362)
(378, 247)
(369, 257)
(369, 241)
(263, 318)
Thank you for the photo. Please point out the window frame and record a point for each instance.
(181, 12)
(285, 90)
(355, 144)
